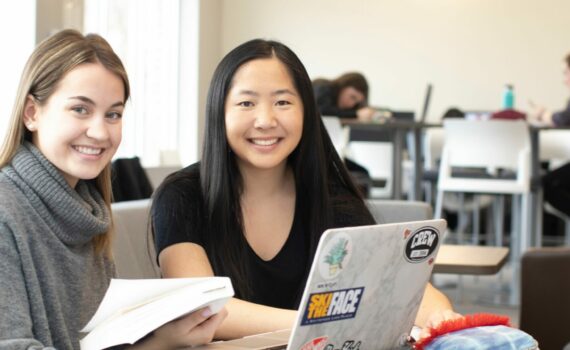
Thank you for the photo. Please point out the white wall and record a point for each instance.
(210, 53)
(17, 37)
(468, 49)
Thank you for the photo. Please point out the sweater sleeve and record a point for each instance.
(16, 328)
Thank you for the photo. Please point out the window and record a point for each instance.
(147, 35)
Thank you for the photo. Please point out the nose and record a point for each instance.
(98, 129)
(265, 118)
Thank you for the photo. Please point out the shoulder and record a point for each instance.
(12, 201)
(178, 199)
(183, 184)
(348, 208)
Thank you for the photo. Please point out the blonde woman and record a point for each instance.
(55, 220)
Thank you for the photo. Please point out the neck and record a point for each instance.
(267, 182)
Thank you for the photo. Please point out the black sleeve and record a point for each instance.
(176, 212)
(326, 101)
(562, 118)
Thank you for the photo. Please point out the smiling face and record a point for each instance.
(349, 98)
(78, 129)
(263, 115)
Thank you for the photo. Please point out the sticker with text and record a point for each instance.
(332, 306)
(322, 345)
(421, 244)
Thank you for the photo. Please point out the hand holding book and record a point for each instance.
(133, 308)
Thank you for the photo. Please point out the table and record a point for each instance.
(470, 260)
(400, 129)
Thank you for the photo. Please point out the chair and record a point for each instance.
(337, 133)
(376, 157)
(129, 180)
(157, 174)
(434, 139)
(133, 253)
(494, 157)
(555, 149)
(545, 301)
(392, 211)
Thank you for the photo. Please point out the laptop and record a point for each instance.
(363, 291)
(427, 100)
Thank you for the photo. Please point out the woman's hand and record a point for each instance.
(365, 114)
(436, 318)
(193, 329)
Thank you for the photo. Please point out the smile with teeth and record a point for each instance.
(88, 150)
(264, 142)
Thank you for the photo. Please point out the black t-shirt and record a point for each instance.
(179, 216)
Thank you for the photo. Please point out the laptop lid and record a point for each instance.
(427, 100)
(365, 286)
(363, 291)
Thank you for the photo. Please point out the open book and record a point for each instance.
(133, 308)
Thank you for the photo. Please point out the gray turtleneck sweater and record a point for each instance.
(51, 280)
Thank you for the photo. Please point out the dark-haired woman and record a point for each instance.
(344, 97)
(268, 185)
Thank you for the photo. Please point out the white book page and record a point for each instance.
(124, 293)
(132, 321)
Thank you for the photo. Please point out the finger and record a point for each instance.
(424, 333)
(193, 319)
(204, 332)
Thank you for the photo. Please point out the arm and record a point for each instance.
(562, 118)
(190, 260)
(16, 328)
(435, 307)
(194, 329)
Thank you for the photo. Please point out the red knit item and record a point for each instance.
(468, 321)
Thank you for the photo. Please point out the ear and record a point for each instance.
(30, 113)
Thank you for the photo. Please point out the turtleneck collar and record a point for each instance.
(75, 215)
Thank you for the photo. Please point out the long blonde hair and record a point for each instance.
(52, 59)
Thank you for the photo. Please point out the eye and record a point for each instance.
(245, 104)
(114, 115)
(283, 103)
(79, 109)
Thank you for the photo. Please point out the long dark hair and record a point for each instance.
(314, 162)
(352, 79)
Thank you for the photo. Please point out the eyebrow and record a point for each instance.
(274, 93)
(90, 101)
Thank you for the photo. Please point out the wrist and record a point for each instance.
(150, 341)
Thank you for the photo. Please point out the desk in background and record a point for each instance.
(470, 260)
(400, 129)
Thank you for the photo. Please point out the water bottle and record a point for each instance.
(508, 97)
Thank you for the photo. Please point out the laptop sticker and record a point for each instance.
(321, 344)
(337, 256)
(421, 244)
(315, 344)
(332, 306)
